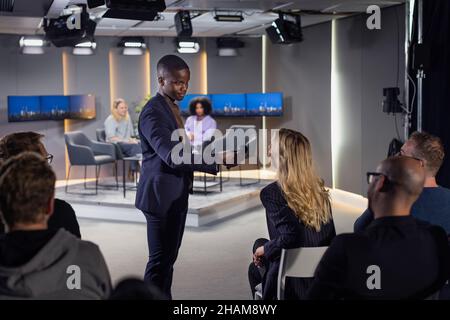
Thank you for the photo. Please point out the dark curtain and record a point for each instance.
(436, 85)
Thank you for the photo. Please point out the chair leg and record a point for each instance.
(204, 183)
(97, 173)
(85, 175)
(67, 178)
(116, 174)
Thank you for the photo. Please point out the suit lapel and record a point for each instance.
(167, 110)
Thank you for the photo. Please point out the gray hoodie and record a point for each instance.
(65, 268)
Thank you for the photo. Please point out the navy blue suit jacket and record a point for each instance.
(162, 181)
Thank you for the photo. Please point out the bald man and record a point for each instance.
(396, 256)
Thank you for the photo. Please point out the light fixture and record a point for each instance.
(188, 46)
(85, 48)
(228, 47)
(228, 16)
(132, 46)
(32, 45)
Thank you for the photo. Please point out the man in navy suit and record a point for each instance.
(165, 184)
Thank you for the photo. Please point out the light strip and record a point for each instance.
(148, 86)
(263, 89)
(65, 70)
(204, 71)
(112, 77)
(336, 130)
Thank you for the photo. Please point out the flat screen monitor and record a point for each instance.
(184, 104)
(228, 105)
(82, 107)
(54, 107)
(264, 104)
(24, 108)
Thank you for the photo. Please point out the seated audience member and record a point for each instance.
(396, 256)
(37, 262)
(119, 129)
(13, 144)
(433, 204)
(200, 125)
(298, 213)
(136, 289)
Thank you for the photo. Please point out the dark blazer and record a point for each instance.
(162, 181)
(412, 256)
(286, 231)
(63, 217)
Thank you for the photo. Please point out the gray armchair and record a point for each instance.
(101, 137)
(85, 152)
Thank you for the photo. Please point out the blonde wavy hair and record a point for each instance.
(114, 112)
(303, 190)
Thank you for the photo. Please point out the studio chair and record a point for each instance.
(85, 152)
(298, 263)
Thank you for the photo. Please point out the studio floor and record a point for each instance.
(212, 263)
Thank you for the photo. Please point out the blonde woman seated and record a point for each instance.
(119, 130)
(298, 213)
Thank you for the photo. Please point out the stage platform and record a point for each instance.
(204, 209)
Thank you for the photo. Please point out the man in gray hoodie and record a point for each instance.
(36, 262)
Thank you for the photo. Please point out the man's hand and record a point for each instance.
(258, 256)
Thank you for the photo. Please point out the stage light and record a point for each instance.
(183, 24)
(132, 46)
(32, 45)
(286, 29)
(85, 48)
(391, 104)
(146, 10)
(228, 47)
(188, 46)
(228, 17)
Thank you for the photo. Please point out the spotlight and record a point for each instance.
(228, 47)
(183, 24)
(32, 45)
(391, 104)
(132, 46)
(145, 10)
(187, 46)
(68, 30)
(286, 29)
(85, 48)
(228, 17)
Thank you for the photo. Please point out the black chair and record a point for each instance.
(85, 152)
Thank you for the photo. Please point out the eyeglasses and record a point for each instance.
(49, 158)
(370, 176)
(402, 153)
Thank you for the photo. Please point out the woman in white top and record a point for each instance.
(119, 130)
(200, 125)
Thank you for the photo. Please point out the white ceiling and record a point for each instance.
(257, 16)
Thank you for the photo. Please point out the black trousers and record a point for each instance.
(130, 150)
(164, 236)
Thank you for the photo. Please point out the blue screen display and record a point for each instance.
(265, 104)
(54, 107)
(228, 104)
(82, 106)
(184, 104)
(24, 108)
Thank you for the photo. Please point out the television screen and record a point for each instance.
(265, 104)
(228, 104)
(82, 107)
(54, 107)
(24, 108)
(184, 104)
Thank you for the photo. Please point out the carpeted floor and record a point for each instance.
(213, 260)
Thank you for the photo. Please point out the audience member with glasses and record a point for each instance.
(16, 143)
(433, 204)
(397, 256)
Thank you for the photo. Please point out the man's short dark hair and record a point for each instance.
(171, 63)
(205, 103)
(15, 143)
(430, 149)
(27, 184)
